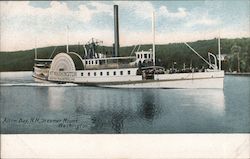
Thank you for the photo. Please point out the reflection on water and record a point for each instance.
(106, 122)
(115, 110)
(103, 110)
(217, 101)
(117, 122)
(213, 100)
(55, 97)
(120, 111)
(111, 108)
(148, 108)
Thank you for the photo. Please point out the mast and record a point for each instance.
(36, 39)
(153, 36)
(219, 52)
(67, 47)
(35, 49)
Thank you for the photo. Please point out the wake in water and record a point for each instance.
(39, 84)
(9, 79)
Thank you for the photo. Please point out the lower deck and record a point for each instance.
(129, 78)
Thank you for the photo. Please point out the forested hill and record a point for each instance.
(166, 54)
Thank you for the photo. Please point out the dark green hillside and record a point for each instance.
(166, 55)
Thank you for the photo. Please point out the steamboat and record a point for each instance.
(136, 71)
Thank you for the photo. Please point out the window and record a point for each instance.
(94, 73)
(149, 56)
(141, 56)
(145, 56)
(96, 62)
(89, 62)
(88, 73)
(138, 56)
(82, 74)
(86, 62)
(128, 72)
(107, 73)
(61, 69)
(92, 62)
(114, 73)
(121, 72)
(100, 73)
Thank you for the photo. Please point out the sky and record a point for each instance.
(26, 25)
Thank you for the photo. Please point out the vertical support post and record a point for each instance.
(36, 39)
(238, 56)
(116, 29)
(67, 47)
(219, 53)
(36, 49)
(153, 36)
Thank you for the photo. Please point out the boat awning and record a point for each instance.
(43, 60)
(114, 58)
(152, 67)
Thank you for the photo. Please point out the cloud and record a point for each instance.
(21, 23)
(102, 8)
(55, 10)
(16, 40)
(205, 15)
(142, 9)
(86, 13)
(202, 20)
(181, 13)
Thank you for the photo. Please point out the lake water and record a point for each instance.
(31, 107)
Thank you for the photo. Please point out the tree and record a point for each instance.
(235, 50)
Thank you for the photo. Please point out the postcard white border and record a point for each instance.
(126, 146)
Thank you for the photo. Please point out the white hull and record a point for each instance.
(208, 83)
(176, 81)
(197, 80)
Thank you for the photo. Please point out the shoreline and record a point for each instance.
(16, 71)
(238, 74)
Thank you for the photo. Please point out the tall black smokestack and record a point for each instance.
(116, 29)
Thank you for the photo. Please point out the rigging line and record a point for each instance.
(138, 48)
(133, 50)
(198, 54)
(53, 52)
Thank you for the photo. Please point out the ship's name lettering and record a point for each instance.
(70, 74)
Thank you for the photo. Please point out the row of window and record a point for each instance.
(91, 62)
(107, 73)
(145, 56)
